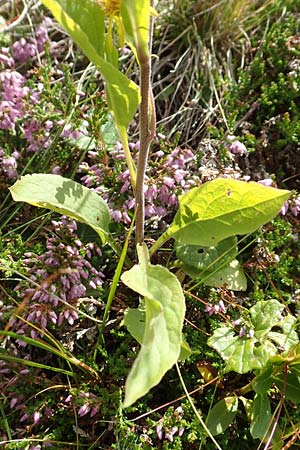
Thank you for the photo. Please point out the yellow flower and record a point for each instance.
(110, 7)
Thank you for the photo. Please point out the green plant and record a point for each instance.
(266, 344)
(209, 217)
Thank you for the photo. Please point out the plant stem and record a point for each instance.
(160, 241)
(129, 160)
(118, 250)
(116, 279)
(147, 132)
(194, 408)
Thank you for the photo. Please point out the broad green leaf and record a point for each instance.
(244, 354)
(109, 134)
(231, 276)
(66, 197)
(109, 137)
(222, 208)
(289, 382)
(222, 415)
(241, 354)
(292, 357)
(263, 382)
(213, 265)
(84, 22)
(206, 260)
(136, 16)
(135, 320)
(248, 405)
(185, 350)
(262, 422)
(165, 309)
(268, 315)
(83, 142)
(261, 417)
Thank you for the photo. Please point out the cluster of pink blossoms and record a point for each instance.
(21, 104)
(169, 175)
(58, 279)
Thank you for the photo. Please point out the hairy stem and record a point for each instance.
(147, 132)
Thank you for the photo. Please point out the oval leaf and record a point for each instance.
(135, 320)
(263, 382)
(222, 208)
(66, 197)
(84, 22)
(231, 276)
(289, 383)
(206, 260)
(222, 415)
(246, 353)
(136, 15)
(161, 344)
(261, 418)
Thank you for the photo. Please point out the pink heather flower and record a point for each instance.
(125, 51)
(284, 208)
(5, 59)
(236, 322)
(13, 402)
(150, 210)
(159, 153)
(83, 410)
(24, 417)
(56, 170)
(251, 334)
(179, 176)
(118, 146)
(48, 125)
(23, 50)
(221, 306)
(296, 207)
(36, 417)
(134, 145)
(10, 112)
(170, 434)
(169, 182)
(210, 309)
(42, 34)
(94, 410)
(159, 431)
(246, 178)
(238, 148)
(48, 412)
(116, 215)
(66, 132)
(266, 182)
(242, 332)
(230, 137)
(9, 165)
(151, 193)
(126, 218)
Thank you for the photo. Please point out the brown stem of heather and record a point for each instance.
(147, 133)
